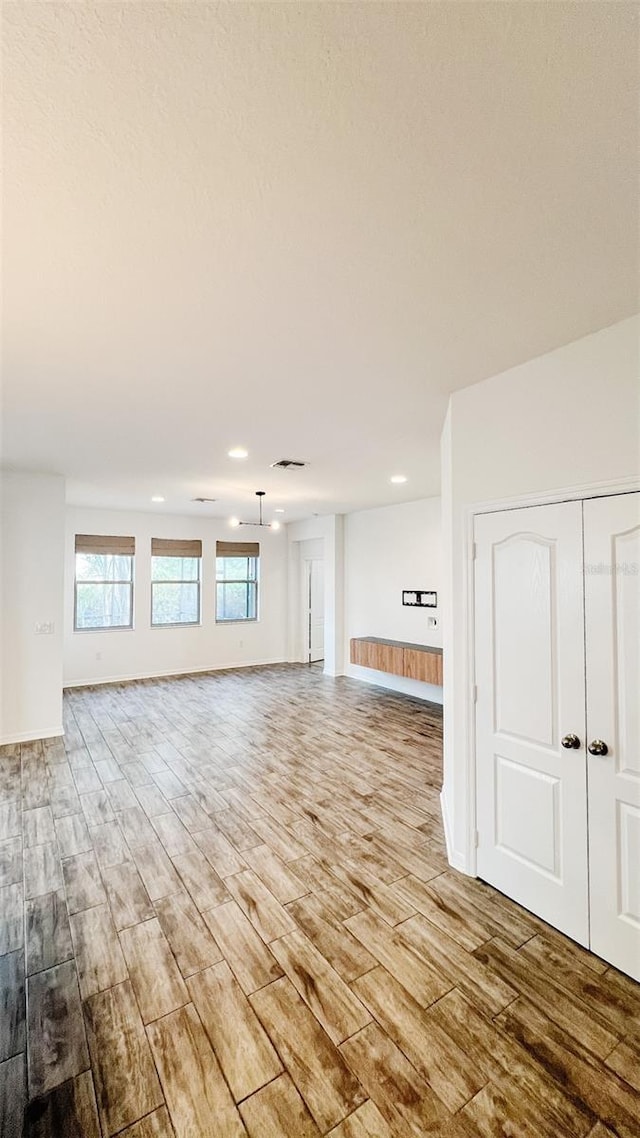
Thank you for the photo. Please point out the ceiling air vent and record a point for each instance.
(289, 464)
(204, 499)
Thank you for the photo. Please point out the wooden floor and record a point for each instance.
(226, 910)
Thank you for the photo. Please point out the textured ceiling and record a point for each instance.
(298, 227)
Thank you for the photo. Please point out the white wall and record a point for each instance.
(388, 550)
(567, 420)
(92, 657)
(31, 592)
(330, 530)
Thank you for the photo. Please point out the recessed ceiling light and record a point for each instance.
(275, 525)
(278, 511)
(234, 522)
(398, 478)
(238, 452)
(157, 498)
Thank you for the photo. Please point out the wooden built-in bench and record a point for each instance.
(415, 661)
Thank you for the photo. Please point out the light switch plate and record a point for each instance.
(44, 627)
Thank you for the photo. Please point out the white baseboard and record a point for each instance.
(97, 681)
(455, 859)
(430, 693)
(32, 736)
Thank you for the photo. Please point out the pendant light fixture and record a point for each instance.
(265, 525)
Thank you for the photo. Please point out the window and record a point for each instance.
(175, 582)
(237, 580)
(104, 582)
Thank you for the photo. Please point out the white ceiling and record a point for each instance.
(299, 227)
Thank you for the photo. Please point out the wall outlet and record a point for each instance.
(241, 642)
(98, 655)
(44, 627)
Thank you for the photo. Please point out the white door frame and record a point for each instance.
(467, 861)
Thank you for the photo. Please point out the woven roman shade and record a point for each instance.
(99, 543)
(237, 549)
(175, 547)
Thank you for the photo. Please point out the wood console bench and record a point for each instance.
(416, 661)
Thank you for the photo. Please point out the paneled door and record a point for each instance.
(530, 712)
(612, 607)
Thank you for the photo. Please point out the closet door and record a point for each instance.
(612, 608)
(530, 711)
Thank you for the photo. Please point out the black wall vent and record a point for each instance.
(204, 499)
(289, 464)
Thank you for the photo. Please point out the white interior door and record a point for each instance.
(315, 611)
(612, 607)
(531, 786)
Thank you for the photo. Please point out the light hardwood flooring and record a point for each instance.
(225, 909)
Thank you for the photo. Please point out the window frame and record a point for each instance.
(197, 581)
(104, 627)
(239, 581)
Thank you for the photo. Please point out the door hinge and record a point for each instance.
(476, 839)
(474, 550)
(474, 693)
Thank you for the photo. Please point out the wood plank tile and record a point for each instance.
(365, 1122)
(128, 898)
(155, 976)
(48, 932)
(566, 1010)
(279, 878)
(386, 900)
(97, 809)
(198, 1098)
(73, 835)
(87, 780)
(238, 830)
(10, 820)
(83, 882)
(248, 956)
(38, 826)
(156, 870)
(42, 871)
(13, 1096)
(98, 954)
(425, 900)
(399, 957)
(573, 1065)
(136, 827)
(155, 1125)
(11, 922)
(485, 988)
(57, 1044)
(11, 861)
(332, 1002)
(501, 1061)
(191, 942)
(173, 835)
(109, 845)
(625, 1061)
(330, 936)
(193, 817)
(12, 1005)
(444, 1066)
(245, 1053)
(67, 1111)
(121, 796)
(317, 1068)
(277, 1111)
(267, 915)
(224, 858)
(152, 800)
(127, 1085)
(200, 880)
(404, 1099)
